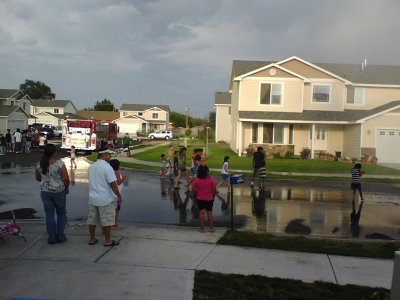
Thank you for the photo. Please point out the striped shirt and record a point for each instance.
(355, 175)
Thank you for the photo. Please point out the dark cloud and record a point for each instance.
(180, 52)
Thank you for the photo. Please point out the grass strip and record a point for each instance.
(375, 249)
(210, 285)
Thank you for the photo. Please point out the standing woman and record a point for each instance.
(225, 174)
(205, 188)
(54, 184)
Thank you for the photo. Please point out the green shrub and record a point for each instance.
(289, 155)
(305, 153)
(277, 155)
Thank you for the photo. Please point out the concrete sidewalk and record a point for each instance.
(157, 263)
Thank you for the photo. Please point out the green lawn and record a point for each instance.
(218, 151)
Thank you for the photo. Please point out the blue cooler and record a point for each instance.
(237, 178)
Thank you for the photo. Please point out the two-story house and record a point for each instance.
(52, 112)
(14, 110)
(343, 109)
(143, 117)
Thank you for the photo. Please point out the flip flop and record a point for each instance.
(93, 243)
(113, 243)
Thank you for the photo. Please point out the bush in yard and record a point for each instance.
(305, 153)
(289, 155)
(277, 155)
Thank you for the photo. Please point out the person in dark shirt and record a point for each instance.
(2, 145)
(258, 162)
(8, 140)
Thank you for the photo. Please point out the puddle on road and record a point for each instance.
(279, 209)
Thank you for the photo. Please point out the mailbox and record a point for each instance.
(237, 178)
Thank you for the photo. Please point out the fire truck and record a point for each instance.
(86, 135)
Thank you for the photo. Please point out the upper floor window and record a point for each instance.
(12, 103)
(36, 110)
(321, 93)
(56, 111)
(140, 114)
(125, 113)
(358, 95)
(24, 105)
(155, 115)
(271, 93)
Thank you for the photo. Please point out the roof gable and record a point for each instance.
(263, 71)
(6, 110)
(51, 103)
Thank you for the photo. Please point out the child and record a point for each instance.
(114, 163)
(164, 163)
(225, 174)
(262, 175)
(182, 168)
(73, 156)
(205, 187)
(356, 174)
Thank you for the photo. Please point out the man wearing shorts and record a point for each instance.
(258, 163)
(103, 191)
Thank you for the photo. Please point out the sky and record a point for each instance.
(180, 52)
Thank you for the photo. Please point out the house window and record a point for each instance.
(155, 115)
(271, 93)
(229, 110)
(358, 95)
(56, 110)
(278, 133)
(321, 93)
(255, 133)
(125, 113)
(12, 103)
(24, 105)
(36, 110)
(268, 133)
(140, 114)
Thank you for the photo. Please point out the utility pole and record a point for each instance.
(187, 117)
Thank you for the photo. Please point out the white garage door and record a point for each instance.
(14, 124)
(388, 145)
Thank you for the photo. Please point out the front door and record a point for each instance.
(320, 139)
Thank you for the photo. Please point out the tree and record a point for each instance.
(211, 119)
(104, 105)
(36, 90)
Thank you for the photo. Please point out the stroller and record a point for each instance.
(11, 228)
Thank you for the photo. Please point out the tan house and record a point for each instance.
(15, 109)
(143, 117)
(53, 112)
(341, 109)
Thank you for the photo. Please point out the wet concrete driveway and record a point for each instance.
(309, 208)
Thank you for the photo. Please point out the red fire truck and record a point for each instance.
(87, 134)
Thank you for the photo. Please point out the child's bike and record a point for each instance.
(11, 228)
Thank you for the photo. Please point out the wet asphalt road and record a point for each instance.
(297, 207)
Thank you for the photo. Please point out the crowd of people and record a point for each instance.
(20, 142)
(106, 182)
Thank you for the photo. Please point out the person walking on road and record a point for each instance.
(258, 163)
(103, 192)
(356, 174)
(225, 174)
(54, 186)
(127, 142)
(73, 156)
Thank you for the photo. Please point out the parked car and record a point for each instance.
(58, 131)
(162, 134)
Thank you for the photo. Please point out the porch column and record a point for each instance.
(312, 140)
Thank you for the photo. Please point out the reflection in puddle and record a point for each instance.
(22, 213)
(279, 209)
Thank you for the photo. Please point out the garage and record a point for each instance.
(14, 124)
(388, 145)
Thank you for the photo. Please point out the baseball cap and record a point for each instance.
(109, 151)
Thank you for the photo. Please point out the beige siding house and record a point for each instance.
(342, 109)
(15, 109)
(52, 112)
(144, 117)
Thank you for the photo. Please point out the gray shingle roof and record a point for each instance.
(222, 98)
(6, 110)
(348, 115)
(372, 74)
(99, 115)
(50, 103)
(143, 107)
(7, 93)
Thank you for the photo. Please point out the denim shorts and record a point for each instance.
(224, 176)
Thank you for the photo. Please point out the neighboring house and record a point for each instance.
(43, 108)
(11, 117)
(56, 119)
(343, 109)
(103, 116)
(131, 124)
(155, 117)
